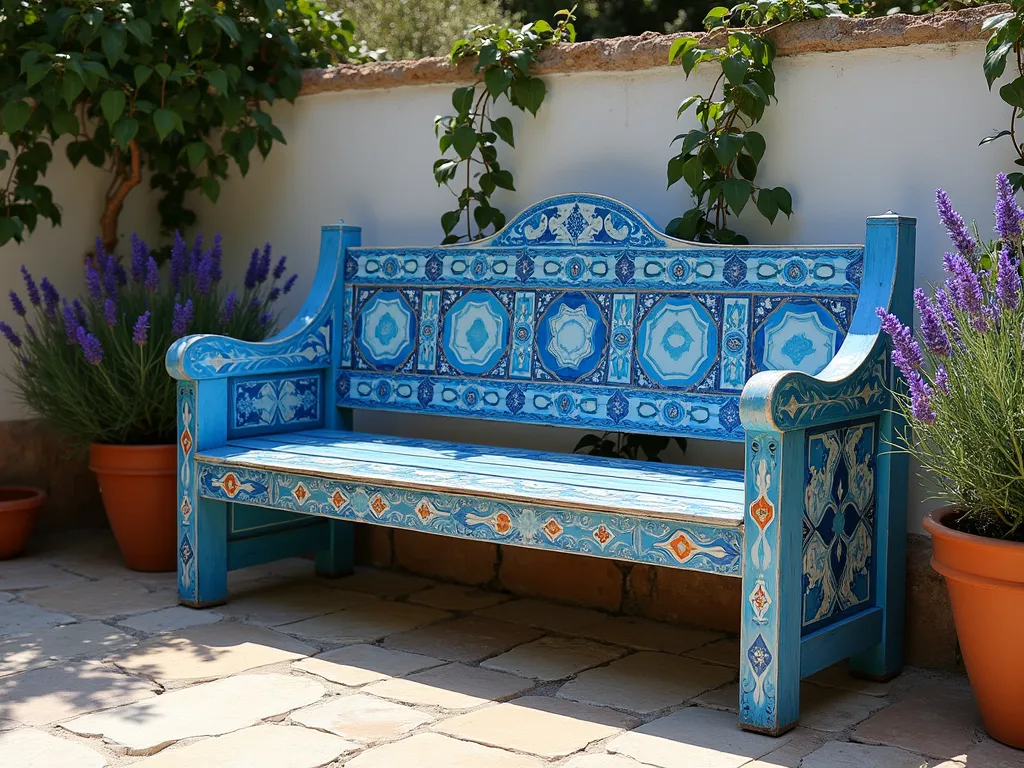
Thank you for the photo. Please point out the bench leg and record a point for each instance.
(885, 660)
(338, 557)
(203, 555)
(772, 566)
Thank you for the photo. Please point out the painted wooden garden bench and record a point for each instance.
(580, 313)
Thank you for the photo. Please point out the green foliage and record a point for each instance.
(1006, 38)
(148, 83)
(412, 29)
(503, 61)
(107, 383)
(720, 160)
(615, 18)
(625, 445)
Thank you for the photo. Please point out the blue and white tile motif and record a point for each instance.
(693, 546)
(839, 523)
(603, 323)
(280, 401)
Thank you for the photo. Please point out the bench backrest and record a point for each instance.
(581, 313)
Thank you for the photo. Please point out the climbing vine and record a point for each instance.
(719, 161)
(504, 57)
(1006, 37)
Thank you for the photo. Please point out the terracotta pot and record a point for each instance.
(18, 507)
(985, 578)
(138, 486)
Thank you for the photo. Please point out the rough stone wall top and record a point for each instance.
(650, 49)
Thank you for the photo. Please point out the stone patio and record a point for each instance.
(100, 667)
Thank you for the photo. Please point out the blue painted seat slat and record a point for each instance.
(597, 472)
(675, 500)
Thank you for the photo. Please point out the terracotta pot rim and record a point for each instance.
(34, 497)
(133, 446)
(935, 523)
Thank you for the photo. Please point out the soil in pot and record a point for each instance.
(138, 486)
(18, 507)
(985, 578)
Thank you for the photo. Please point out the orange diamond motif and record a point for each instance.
(378, 505)
(300, 493)
(602, 535)
(502, 523)
(186, 441)
(552, 529)
(681, 547)
(338, 499)
(424, 510)
(762, 511)
(230, 484)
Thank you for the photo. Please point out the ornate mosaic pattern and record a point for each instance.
(580, 312)
(804, 402)
(278, 401)
(683, 545)
(759, 636)
(839, 522)
(203, 357)
(187, 584)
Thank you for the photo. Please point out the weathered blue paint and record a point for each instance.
(580, 313)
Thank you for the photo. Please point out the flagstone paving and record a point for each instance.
(99, 667)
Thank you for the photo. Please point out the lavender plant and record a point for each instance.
(93, 367)
(964, 399)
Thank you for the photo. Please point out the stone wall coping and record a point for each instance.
(650, 50)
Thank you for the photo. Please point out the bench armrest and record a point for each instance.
(857, 380)
(309, 341)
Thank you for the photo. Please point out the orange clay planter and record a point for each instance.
(18, 507)
(137, 483)
(985, 578)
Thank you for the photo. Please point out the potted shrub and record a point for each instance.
(964, 404)
(93, 368)
(18, 507)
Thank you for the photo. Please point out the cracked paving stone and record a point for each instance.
(453, 686)
(432, 750)
(101, 599)
(552, 658)
(843, 754)
(467, 639)
(170, 619)
(31, 748)
(361, 717)
(365, 623)
(452, 597)
(52, 644)
(354, 665)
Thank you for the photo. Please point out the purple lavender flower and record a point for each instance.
(182, 318)
(83, 319)
(216, 254)
(290, 283)
(279, 269)
(955, 225)
(30, 287)
(932, 332)
(197, 254)
(141, 330)
(71, 324)
(230, 302)
(120, 275)
(110, 312)
(255, 303)
(179, 260)
(942, 380)
(204, 275)
(140, 255)
(1008, 213)
(152, 275)
(50, 297)
(265, 318)
(1008, 279)
(274, 295)
(92, 282)
(8, 332)
(253, 269)
(920, 398)
(263, 271)
(91, 347)
(906, 352)
(964, 286)
(19, 308)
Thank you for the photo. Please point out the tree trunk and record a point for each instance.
(115, 200)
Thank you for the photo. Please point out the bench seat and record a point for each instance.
(618, 486)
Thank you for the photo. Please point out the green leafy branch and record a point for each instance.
(719, 161)
(148, 83)
(504, 58)
(1005, 39)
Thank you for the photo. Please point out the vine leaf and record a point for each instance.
(503, 127)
